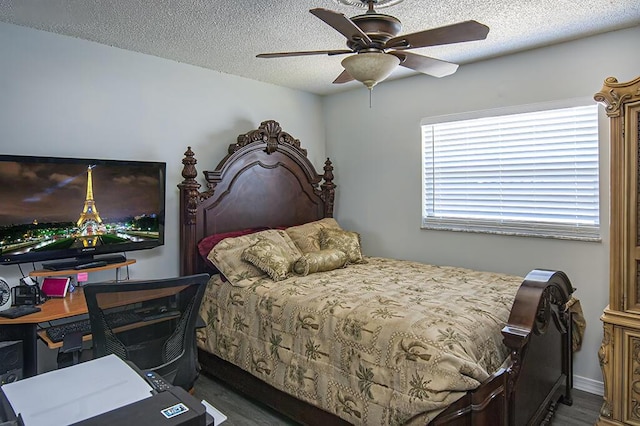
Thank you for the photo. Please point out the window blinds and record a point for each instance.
(534, 173)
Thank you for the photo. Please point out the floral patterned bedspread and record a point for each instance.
(382, 343)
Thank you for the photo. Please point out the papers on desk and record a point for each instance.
(76, 393)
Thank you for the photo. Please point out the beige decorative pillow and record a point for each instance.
(307, 236)
(320, 261)
(270, 257)
(227, 255)
(346, 241)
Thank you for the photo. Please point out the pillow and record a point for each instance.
(320, 261)
(307, 236)
(207, 243)
(270, 257)
(227, 255)
(346, 241)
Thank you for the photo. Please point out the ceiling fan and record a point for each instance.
(378, 48)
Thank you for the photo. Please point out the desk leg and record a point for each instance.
(26, 333)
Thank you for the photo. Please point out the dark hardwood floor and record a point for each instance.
(584, 411)
(242, 411)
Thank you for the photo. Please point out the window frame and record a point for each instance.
(525, 228)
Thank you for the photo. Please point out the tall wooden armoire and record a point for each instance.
(619, 353)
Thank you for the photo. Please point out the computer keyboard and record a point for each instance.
(57, 332)
(115, 319)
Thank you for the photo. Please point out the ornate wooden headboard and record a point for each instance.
(265, 180)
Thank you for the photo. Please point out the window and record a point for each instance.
(533, 173)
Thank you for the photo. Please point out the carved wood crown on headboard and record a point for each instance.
(270, 133)
(265, 179)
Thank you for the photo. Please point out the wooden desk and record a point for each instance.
(110, 301)
(25, 328)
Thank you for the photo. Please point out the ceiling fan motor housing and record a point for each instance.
(378, 27)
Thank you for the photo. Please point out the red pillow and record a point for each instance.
(208, 243)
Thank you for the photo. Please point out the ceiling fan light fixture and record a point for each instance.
(370, 68)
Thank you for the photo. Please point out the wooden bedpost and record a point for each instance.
(189, 197)
(328, 189)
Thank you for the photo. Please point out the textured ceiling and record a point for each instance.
(225, 35)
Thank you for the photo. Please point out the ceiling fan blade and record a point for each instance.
(343, 25)
(344, 77)
(304, 53)
(425, 64)
(455, 33)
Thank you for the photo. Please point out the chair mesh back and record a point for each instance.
(174, 346)
(112, 344)
(150, 323)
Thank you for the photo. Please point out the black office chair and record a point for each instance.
(150, 323)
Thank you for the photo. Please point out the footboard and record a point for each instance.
(539, 335)
(539, 372)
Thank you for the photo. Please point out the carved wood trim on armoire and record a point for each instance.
(619, 353)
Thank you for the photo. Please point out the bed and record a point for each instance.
(367, 340)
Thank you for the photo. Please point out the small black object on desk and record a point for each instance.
(19, 311)
(28, 295)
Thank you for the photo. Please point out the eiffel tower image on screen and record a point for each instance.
(89, 218)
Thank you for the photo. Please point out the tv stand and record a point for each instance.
(72, 271)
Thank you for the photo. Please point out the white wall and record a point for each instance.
(62, 96)
(377, 152)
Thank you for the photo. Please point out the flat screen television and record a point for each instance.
(59, 208)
